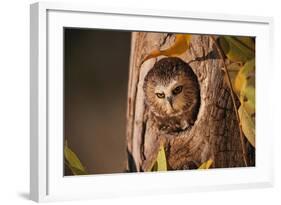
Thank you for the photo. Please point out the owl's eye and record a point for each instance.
(160, 95)
(177, 90)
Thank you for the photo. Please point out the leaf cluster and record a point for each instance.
(240, 52)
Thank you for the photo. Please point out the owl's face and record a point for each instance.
(169, 98)
(170, 88)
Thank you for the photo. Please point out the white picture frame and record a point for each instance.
(47, 182)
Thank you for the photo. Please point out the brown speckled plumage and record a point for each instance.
(172, 94)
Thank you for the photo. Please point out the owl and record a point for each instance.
(172, 95)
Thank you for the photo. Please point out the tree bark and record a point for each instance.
(215, 133)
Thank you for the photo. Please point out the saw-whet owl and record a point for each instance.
(172, 94)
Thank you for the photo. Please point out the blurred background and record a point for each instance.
(96, 64)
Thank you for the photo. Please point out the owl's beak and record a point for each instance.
(170, 100)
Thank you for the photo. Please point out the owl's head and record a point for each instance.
(171, 87)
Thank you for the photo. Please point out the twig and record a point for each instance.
(233, 100)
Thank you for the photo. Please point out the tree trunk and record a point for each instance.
(215, 133)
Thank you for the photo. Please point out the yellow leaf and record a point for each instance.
(161, 162)
(206, 165)
(243, 76)
(73, 162)
(250, 107)
(239, 82)
(235, 49)
(181, 44)
(249, 93)
(244, 86)
(248, 125)
(249, 67)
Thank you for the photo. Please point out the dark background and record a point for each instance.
(96, 64)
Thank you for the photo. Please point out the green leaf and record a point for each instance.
(248, 125)
(73, 162)
(206, 165)
(161, 161)
(235, 49)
